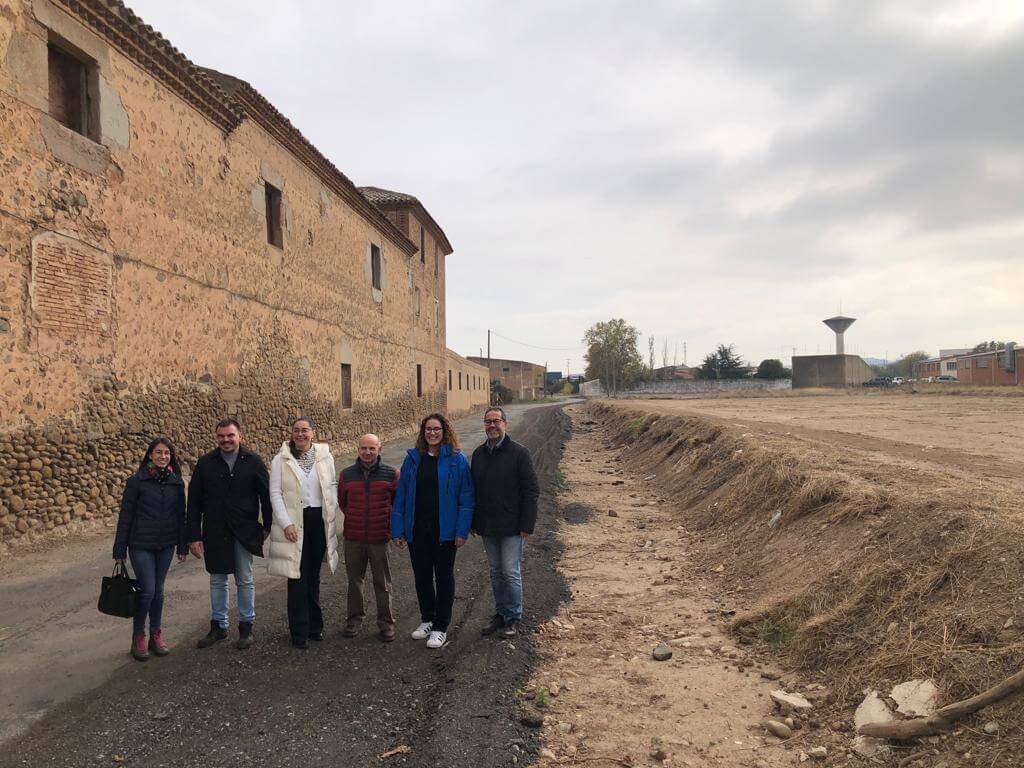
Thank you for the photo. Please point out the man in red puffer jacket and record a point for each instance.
(365, 492)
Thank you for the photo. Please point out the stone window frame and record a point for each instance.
(108, 129)
(376, 275)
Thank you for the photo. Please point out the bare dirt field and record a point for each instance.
(983, 435)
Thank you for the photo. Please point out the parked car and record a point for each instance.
(944, 379)
(897, 380)
(878, 381)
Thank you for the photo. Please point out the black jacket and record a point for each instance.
(225, 505)
(506, 490)
(152, 514)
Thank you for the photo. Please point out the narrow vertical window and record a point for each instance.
(419, 380)
(275, 235)
(375, 266)
(423, 246)
(449, 379)
(68, 85)
(460, 380)
(417, 303)
(346, 386)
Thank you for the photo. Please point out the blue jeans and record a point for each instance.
(244, 584)
(150, 566)
(505, 554)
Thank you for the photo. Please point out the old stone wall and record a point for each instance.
(468, 388)
(139, 295)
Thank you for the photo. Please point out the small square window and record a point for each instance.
(375, 266)
(275, 233)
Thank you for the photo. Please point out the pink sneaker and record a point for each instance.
(139, 652)
(157, 644)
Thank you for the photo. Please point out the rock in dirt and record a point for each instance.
(661, 652)
(532, 719)
(793, 701)
(916, 698)
(872, 710)
(546, 753)
(612, 513)
(817, 753)
(991, 728)
(780, 730)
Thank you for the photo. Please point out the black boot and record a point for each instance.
(215, 635)
(244, 635)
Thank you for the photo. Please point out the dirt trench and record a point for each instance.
(848, 573)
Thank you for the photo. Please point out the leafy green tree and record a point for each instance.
(990, 346)
(723, 363)
(773, 369)
(612, 354)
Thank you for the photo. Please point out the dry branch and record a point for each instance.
(945, 717)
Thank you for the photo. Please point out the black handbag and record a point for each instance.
(118, 593)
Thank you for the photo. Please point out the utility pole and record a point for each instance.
(684, 353)
(490, 389)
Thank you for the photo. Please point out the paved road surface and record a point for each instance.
(65, 666)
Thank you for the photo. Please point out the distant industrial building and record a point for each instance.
(526, 380)
(996, 368)
(838, 370)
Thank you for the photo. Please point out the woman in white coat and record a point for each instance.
(304, 495)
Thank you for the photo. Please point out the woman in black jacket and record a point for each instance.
(149, 529)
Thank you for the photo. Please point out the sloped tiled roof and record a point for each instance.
(386, 199)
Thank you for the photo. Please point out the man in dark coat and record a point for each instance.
(505, 515)
(228, 494)
(366, 491)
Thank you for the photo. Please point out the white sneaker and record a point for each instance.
(437, 639)
(421, 632)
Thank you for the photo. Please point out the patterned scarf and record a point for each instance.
(307, 460)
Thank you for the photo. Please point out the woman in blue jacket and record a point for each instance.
(432, 511)
(149, 529)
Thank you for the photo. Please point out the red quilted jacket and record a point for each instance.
(365, 497)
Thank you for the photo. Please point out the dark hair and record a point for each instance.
(230, 421)
(499, 409)
(175, 467)
(448, 434)
(291, 443)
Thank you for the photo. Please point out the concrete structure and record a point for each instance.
(830, 371)
(468, 388)
(839, 324)
(943, 365)
(998, 368)
(174, 250)
(526, 380)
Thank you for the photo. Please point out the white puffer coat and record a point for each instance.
(283, 556)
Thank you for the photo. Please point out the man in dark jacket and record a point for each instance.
(228, 494)
(506, 512)
(366, 491)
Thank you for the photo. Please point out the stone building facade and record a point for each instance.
(172, 249)
(468, 389)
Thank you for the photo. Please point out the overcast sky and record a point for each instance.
(717, 171)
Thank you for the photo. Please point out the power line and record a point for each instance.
(535, 346)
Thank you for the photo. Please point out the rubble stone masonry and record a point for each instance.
(139, 294)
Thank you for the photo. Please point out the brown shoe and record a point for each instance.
(387, 635)
(350, 630)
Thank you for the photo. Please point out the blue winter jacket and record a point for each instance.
(152, 514)
(455, 488)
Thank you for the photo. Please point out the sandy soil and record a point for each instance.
(637, 581)
(977, 435)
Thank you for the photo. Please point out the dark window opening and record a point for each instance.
(435, 259)
(449, 379)
(419, 380)
(423, 247)
(275, 234)
(68, 80)
(346, 386)
(460, 380)
(375, 266)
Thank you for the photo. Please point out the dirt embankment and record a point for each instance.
(860, 573)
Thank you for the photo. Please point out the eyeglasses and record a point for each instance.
(492, 422)
(433, 429)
